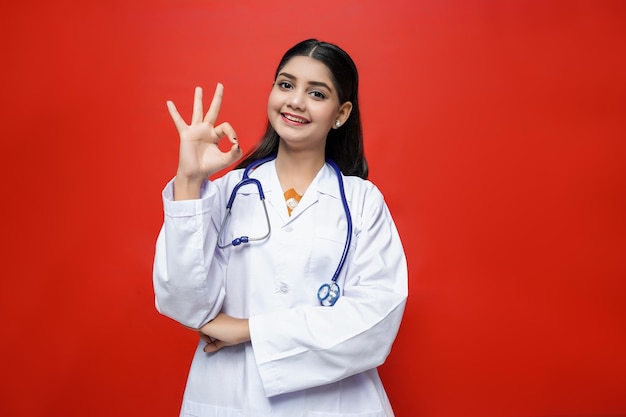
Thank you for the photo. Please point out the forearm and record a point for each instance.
(228, 329)
(224, 330)
(187, 282)
(357, 340)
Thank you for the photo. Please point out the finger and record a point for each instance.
(196, 115)
(176, 117)
(213, 347)
(225, 129)
(216, 103)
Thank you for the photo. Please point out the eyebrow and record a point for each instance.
(315, 83)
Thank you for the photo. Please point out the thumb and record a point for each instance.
(235, 151)
(232, 155)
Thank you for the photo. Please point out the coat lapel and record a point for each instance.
(325, 182)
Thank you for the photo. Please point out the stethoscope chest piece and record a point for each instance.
(328, 294)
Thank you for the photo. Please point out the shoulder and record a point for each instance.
(363, 194)
(359, 185)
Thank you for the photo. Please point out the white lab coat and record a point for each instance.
(303, 359)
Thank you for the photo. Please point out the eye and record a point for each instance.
(285, 85)
(318, 95)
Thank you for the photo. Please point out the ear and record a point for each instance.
(342, 114)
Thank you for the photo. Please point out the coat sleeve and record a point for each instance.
(188, 272)
(311, 346)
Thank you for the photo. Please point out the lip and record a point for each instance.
(294, 119)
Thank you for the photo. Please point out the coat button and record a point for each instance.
(284, 288)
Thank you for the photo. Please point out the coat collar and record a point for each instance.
(324, 183)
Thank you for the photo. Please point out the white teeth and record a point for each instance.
(295, 119)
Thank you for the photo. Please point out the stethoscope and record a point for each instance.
(328, 294)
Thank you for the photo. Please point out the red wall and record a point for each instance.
(495, 129)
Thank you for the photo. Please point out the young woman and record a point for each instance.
(295, 277)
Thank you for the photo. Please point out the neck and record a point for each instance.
(298, 169)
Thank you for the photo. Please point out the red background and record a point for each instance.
(495, 129)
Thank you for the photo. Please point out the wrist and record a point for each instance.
(187, 188)
(245, 330)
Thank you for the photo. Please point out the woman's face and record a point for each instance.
(303, 105)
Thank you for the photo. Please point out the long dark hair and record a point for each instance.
(343, 145)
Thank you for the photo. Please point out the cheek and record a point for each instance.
(273, 108)
(273, 102)
(323, 113)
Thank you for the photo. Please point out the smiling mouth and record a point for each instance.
(294, 119)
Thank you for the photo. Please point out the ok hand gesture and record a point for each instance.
(199, 155)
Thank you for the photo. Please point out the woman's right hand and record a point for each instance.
(199, 154)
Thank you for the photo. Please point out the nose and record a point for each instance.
(296, 99)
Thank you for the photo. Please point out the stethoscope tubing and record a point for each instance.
(328, 294)
(245, 181)
(346, 208)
